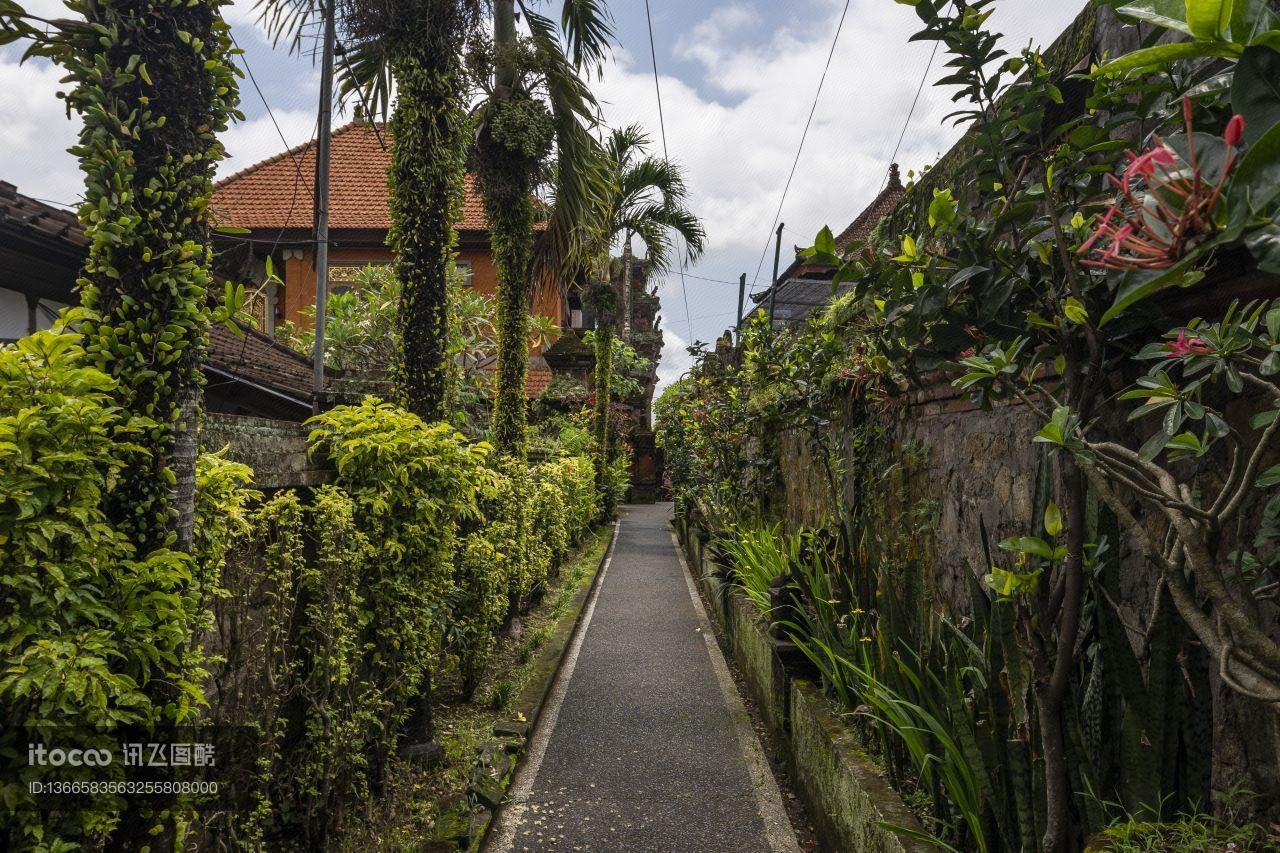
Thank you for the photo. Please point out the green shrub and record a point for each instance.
(758, 556)
(477, 604)
(412, 484)
(86, 624)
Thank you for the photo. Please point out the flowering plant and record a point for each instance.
(1154, 229)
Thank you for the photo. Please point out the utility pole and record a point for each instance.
(323, 140)
(742, 293)
(773, 289)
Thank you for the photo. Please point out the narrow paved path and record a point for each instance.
(644, 744)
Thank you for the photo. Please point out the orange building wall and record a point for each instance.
(300, 281)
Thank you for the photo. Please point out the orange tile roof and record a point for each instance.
(277, 193)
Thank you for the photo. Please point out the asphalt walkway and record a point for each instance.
(644, 744)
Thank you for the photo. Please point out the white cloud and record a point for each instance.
(35, 132)
(737, 130)
(676, 360)
(256, 139)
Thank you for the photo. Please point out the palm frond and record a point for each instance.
(584, 182)
(588, 32)
(623, 142)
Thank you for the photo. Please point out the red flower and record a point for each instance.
(1185, 346)
(1154, 230)
(1235, 130)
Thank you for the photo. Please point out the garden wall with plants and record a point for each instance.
(1012, 492)
(326, 619)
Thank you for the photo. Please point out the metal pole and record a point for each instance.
(322, 202)
(742, 293)
(773, 290)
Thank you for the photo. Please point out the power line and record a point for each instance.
(803, 136)
(893, 158)
(662, 127)
(244, 59)
(297, 160)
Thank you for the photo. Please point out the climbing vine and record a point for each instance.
(428, 160)
(515, 138)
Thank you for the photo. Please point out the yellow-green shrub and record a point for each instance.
(86, 623)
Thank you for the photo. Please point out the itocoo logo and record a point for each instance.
(39, 754)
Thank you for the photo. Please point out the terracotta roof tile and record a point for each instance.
(277, 192)
(860, 228)
(536, 378)
(259, 359)
(39, 219)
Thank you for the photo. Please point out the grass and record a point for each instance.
(759, 555)
(1189, 834)
(417, 798)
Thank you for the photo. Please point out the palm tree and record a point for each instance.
(647, 201)
(417, 44)
(536, 102)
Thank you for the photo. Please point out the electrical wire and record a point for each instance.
(893, 158)
(662, 127)
(795, 162)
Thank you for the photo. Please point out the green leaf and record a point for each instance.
(1269, 477)
(1170, 14)
(1164, 54)
(1255, 91)
(825, 242)
(1136, 286)
(1264, 245)
(1075, 310)
(1259, 171)
(942, 209)
(1209, 19)
(1052, 519)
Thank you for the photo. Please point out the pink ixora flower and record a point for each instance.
(1184, 346)
(1155, 228)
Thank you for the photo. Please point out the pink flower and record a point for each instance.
(1156, 228)
(1185, 346)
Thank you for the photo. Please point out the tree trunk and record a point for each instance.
(604, 299)
(626, 289)
(428, 165)
(154, 87)
(509, 151)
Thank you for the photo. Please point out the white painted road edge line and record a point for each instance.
(777, 826)
(502, 837)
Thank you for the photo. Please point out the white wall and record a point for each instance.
(14, 316)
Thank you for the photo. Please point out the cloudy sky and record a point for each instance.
(738, 79)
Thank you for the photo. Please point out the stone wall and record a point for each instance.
(972, 468)
(275, 450)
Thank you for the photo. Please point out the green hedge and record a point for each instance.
(314, 621)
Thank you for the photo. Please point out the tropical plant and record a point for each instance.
(647, 199)
(155, 87)
(89, 621)
(413, 483)
(758, 555)
(535, 102)
(414, 47)
(360, 329)
(1036, 269)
